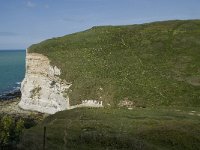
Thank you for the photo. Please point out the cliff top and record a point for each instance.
(149, 64)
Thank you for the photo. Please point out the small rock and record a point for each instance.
(126, 103)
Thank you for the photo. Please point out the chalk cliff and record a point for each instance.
(42, 89)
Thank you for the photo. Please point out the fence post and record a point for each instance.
(44, 138)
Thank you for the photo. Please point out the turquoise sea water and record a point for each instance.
(12, 69)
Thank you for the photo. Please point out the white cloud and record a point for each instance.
(30, 4)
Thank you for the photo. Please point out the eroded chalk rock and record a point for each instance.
(42, 89)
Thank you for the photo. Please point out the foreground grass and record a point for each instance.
(140, 128)
(149, 64)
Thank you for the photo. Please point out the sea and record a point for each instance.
(12, 70)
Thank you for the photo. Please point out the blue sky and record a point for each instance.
(25, 22)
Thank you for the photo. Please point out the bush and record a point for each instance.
(10, 131)
(6, 129)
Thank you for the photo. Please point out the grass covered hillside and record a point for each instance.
(117, 129)
(149, 64)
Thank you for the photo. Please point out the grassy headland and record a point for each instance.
(153, 65)
(150, 64)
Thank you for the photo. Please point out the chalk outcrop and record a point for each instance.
(88, 103)
(42, 89)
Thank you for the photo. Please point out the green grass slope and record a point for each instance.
(149, 64)
(100, 129)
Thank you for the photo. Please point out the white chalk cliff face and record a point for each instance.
(42, 89)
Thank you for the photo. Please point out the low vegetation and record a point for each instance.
(150, 64)
(10, 131)
(11, 127)
(140, 128)
(35, 92)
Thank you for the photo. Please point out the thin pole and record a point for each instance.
(44, 138)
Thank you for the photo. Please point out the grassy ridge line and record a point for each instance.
(150, 64)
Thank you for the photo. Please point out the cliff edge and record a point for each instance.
(42, 89)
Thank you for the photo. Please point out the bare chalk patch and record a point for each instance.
(191, 113)
(195, 81)
(177, 110)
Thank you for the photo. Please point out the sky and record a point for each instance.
(25, 22)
